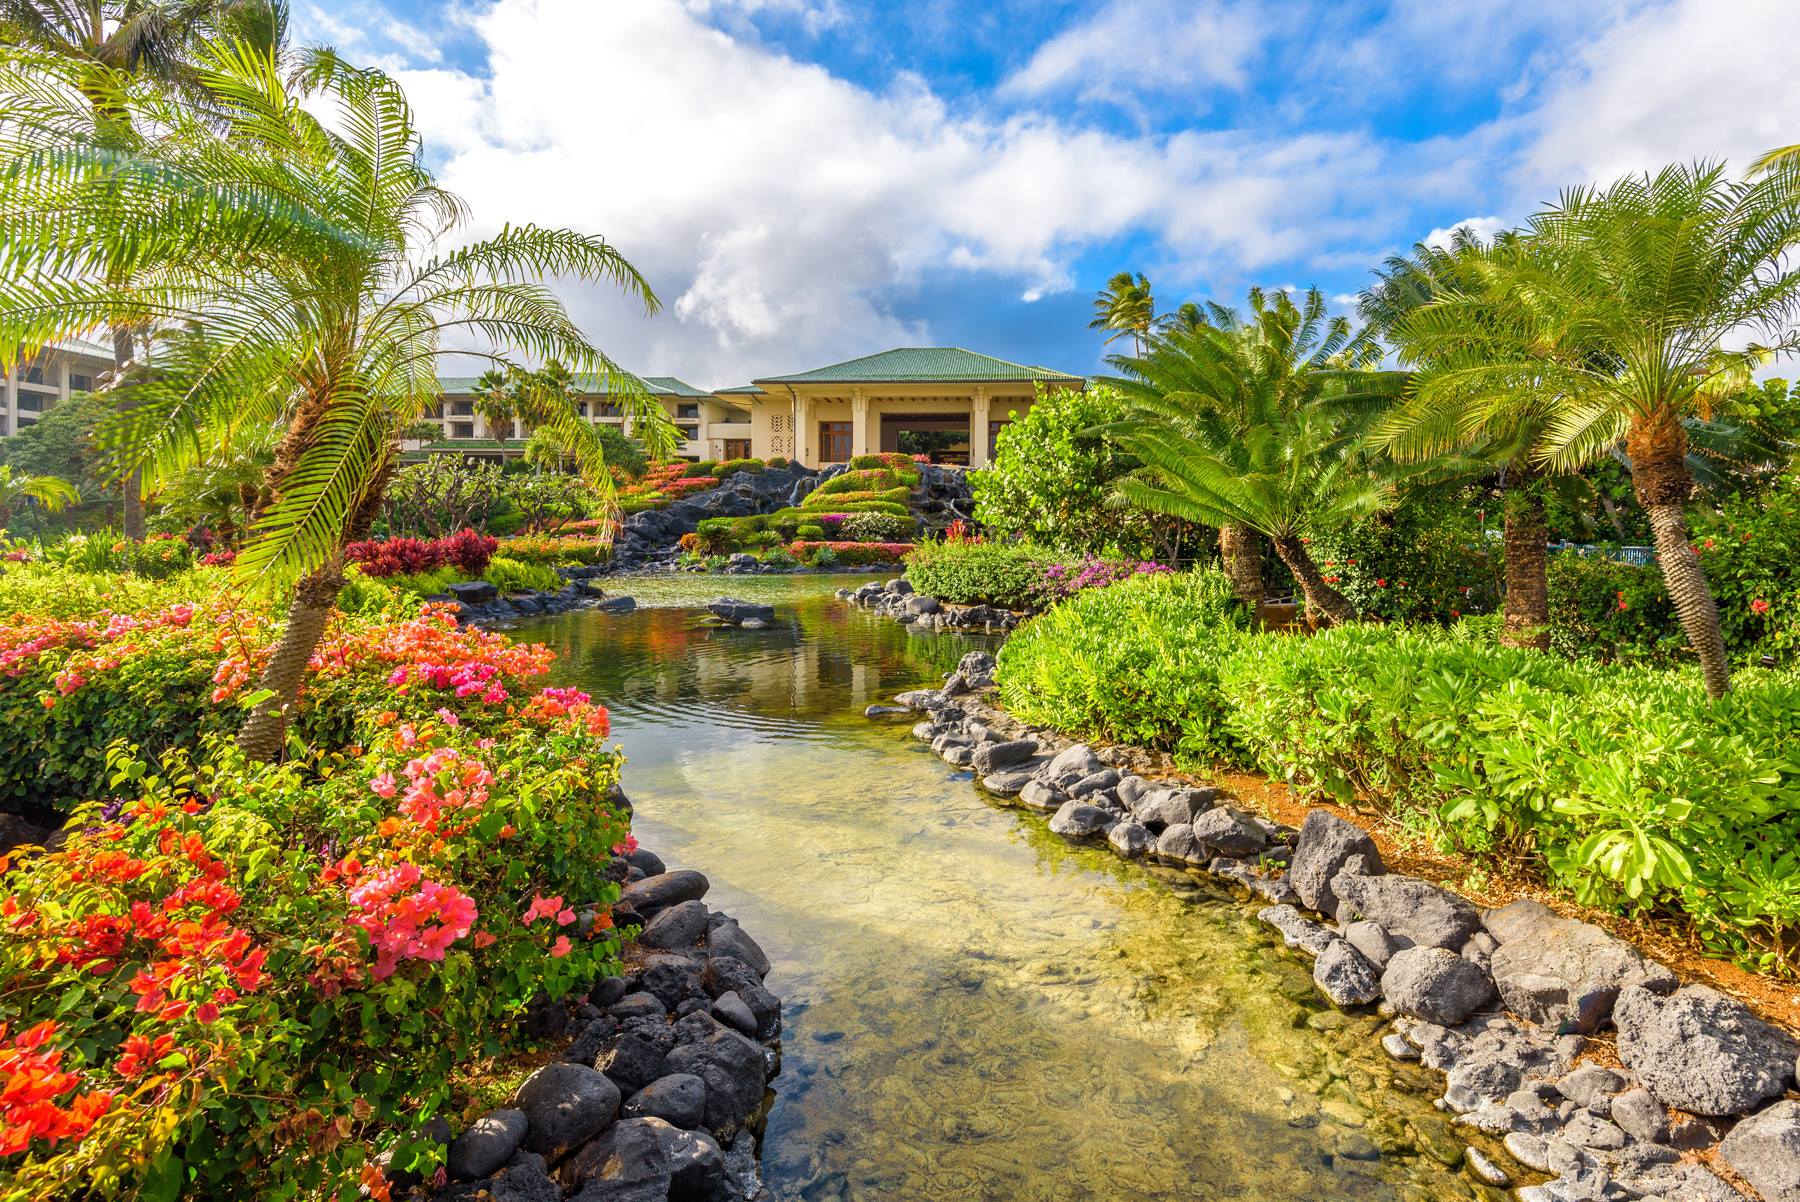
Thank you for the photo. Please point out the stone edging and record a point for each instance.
(897, 600)
(1502, 1002)
(664, 1086)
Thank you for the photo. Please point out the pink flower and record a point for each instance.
(626, 848)
(561, 947)
(448, 717)
(542, 907)
(564, 917)
(384, 785)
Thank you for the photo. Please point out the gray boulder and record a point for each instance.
(735, 611)
(1641, 1116)
(1344, 976)
(1589, 1082)
(735, 1013)
(1764, 1150)
(1177, 843)
(678, 1099)
(918, 603)
(1409, 908)
(1326, 844)
(1298, 931)
(1229, 833)
(1701, 1051)
(1373, 941)
(1558, 972)
(486, 1144)
(727, 938)
(1435, 984)
(1161, 808)
(1078, 820)
(1130, 839)
(565, 1105)
(1131, 788)
(990, 758)
(1009, 783)
(733, 1069)
(1071, 764)
(1094, 782)
(1040, 796)
(681, 925)
(655, 893)
(641, 1159)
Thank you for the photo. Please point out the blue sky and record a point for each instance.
(809, 180)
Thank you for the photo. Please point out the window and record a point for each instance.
(688, 432)
(834, 442)
(462, 409)
(33, 373)
(607, 410)
(689, 411)
(462, 429)
(581, 408)
(34, 402)
(79, 382)
(436, 412)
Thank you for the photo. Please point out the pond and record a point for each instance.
(975, 1009)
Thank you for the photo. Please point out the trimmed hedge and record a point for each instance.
(1010, 575)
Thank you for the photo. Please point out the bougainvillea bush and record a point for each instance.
(466, 551)
(239, 980)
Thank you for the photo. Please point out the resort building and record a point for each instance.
(952, 401)
(38, 383)
(712, 427)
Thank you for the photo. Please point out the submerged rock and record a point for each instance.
(1345, 976)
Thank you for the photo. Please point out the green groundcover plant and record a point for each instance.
(240, 980)
(966, 572)
(1625, 786)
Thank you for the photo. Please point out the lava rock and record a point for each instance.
(726, 974)
(1325, 846)
(733, 1069)
(1373, 941)
(1130, 839)
(678, 1099)
(637, 1005)
(1589, 1082)
(565, 1105)
(1641, 1115)
(1040, 796)
(645, 1159)
(1559, 972)
(1177, 843)
(1701, 1051)
(1009, 784)
(1407, 907)
(732, 610)
(1071, 764)
(670, 978)
(655, 893)
(486, 1144)
(734, 1012)
(1296, 930)
(473, 592)
(727, 938)
(1229, 833)
(1764, 1150)
(1435, 984)
(1345, 976)
(635, 1059)
(1094, 782)
(679, 926)
(1078, 820)
(990, 758)
(647, 860)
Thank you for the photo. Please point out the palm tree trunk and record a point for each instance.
(265, 731)
(1657, 447)
(1525, 618)
(1240, 551)
(123, 351)
(1321, 598)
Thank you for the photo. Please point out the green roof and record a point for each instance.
(921, 365)
(740, 390)
(592, 385)
(475, 444)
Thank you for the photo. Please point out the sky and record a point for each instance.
(806, 181)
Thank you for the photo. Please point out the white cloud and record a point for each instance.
(1483, 228)
(1683, 80)
(1129, 47)
(780, 211)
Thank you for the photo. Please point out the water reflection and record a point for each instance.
(976, 1009)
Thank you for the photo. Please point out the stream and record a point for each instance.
(974, 1008)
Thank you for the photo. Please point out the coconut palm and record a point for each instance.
(1251, 424)
(302, 258)
(1126, 308)
(151, 38)
(52, 492)
(1650, 275)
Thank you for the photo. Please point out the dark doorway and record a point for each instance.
(737, 448)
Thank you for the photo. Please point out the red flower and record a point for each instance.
(1759, 606)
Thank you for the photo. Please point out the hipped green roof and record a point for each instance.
(590, 384)
(922, 365)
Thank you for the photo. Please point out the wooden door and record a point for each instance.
(834, 442)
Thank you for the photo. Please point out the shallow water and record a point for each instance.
(974, 1008)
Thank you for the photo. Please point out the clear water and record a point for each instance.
(974, 1008)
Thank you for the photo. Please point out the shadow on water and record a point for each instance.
(974, 1008)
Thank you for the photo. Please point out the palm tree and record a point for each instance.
(1127, 308)
(1650, 276)
(52, 492)
(1252, 425)
(151, 38)
(304, 258)
(1769, 160)
(1439, 415)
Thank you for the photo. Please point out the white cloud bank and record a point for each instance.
(780, 210)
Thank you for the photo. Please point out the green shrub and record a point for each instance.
(514, 576)
(877, 528)
(706, 467)
(780, 557)
(810, 532)
(421, 584)
(1624, 786)
(969, 573)
(778, 461)
(732, 466)
(1427, 561)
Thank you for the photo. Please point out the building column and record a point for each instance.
(802, 439)
(859, 424)
(978, 429)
